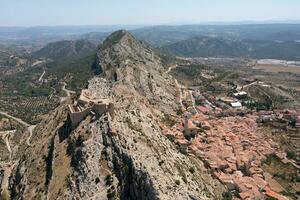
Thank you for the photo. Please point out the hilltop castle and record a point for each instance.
(89, 104)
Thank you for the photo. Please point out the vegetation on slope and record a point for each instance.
(65, 50)
(203, 46)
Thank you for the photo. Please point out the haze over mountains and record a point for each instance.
(278, 41)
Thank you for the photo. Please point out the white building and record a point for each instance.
(236, 104)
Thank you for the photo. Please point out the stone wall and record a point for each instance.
(77, 117)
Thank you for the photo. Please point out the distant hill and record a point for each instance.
(95, 37)
(164, 35)
(70, 57)
(220, 47)
(208, 47)
(66, 50)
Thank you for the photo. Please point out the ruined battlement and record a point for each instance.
(89, 104)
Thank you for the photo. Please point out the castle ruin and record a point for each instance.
(89, 104)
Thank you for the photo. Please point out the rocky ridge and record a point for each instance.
(122, 158)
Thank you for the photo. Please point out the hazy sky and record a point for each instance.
(103, 12)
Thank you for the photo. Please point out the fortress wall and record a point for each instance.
(100, 109)
(111, 110)
(77, 117)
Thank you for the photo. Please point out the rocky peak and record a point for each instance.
(121, 36)
(132, 64)
(121, 50)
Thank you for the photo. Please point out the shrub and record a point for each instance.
(108, 180)
(227, 196)
(192, 170)
(111, 194)
(179, 112)
(291, 155)
(97, 180)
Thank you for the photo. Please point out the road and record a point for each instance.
(41, 77)
(8, 145)
(69, 92)
(170, 68)
(16, 119)
(246, 86)
(6, 175)
(30, 128)
(5, 135)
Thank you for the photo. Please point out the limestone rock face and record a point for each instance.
(134, 66)
(122, 158)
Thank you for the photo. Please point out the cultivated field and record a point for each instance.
(278, 68)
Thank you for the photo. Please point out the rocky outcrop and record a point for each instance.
(134, 65)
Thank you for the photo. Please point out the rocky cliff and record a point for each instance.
(122, 158)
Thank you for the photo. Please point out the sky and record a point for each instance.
(142, 12)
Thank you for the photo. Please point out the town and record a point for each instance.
(226, 135)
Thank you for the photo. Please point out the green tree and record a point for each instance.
(227, 196)
(292, 122)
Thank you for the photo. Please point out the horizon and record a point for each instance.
(206, 23)
(32, 13)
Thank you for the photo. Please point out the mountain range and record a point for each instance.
(203, 46)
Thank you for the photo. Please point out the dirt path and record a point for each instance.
(170, 68)
(5, 135)
(68, 92)
(253, 83)
(30, 127)
(41, 77)
(8, 145)
(6, 174)
(15, 118)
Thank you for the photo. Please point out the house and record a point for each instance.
(236, 104)
(190, 129)
(268, 192)
(227, 100)
(203, 109)
(89, 104)
(241, 94)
